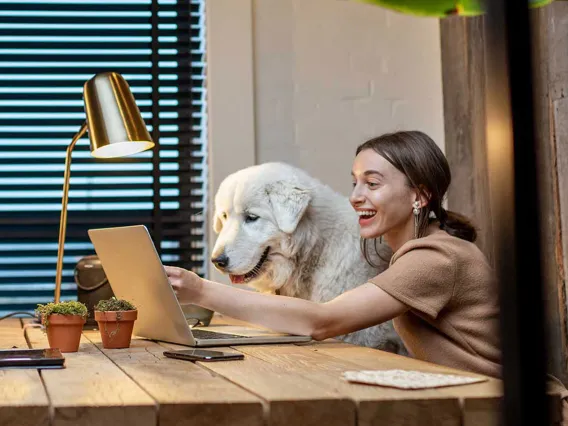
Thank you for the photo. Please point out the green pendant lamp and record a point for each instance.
(442, 8)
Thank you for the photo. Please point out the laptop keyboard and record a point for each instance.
(204, 334)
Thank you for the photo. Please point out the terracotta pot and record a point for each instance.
(64, 332)
(116, 327)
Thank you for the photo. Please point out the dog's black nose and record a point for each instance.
(220, 261)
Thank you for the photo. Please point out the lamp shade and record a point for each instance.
(114, 122)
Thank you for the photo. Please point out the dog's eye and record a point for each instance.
(224, 215)
(250, 218)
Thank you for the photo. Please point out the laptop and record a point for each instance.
(135, 273)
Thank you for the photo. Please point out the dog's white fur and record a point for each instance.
(312, 232)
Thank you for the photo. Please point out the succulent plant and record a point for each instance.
(63, 308)
(114, 304)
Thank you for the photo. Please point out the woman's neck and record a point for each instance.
(396, 237)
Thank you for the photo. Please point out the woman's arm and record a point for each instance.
(356, 309)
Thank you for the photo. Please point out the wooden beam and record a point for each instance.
(549, 46)
(463, 77)
(463, 71)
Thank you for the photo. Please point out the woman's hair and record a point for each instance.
(418, 157)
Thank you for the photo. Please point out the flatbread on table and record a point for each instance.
(408, 379)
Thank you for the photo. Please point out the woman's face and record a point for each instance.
(381, 196)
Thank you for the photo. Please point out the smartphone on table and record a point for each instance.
(203, 355)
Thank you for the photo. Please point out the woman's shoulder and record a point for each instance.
(443, 243)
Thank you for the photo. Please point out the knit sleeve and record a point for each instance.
(422, 278)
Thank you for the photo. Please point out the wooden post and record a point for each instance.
(515, 205)
(463, 76)
(550, 43)
(463, 72)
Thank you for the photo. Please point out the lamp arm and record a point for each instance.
(63, 219)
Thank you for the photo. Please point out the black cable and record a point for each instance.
(17, 313)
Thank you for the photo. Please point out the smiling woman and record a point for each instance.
(409, 170)
(438, 288)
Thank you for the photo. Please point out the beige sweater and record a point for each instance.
(453, 298)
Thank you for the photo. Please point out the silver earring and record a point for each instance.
(416, 211)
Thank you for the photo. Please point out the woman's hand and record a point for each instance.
(186, 284)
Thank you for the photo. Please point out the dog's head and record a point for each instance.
(258, 215)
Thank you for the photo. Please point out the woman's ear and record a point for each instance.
(423, 196)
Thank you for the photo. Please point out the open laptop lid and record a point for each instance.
(135, 273)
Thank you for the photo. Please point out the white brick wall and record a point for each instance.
(331, 73)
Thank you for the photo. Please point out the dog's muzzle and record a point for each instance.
(221, 262)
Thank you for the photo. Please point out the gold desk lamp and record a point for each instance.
(116, 129)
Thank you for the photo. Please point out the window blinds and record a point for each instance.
(48, 50)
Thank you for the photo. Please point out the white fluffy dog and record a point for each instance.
(281, 231)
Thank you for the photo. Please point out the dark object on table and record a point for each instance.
(92, 286)
(203, 355)
(31, 358)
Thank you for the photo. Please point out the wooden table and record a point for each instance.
(284, 385)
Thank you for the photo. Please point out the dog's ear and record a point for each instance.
(217, 224)
(288, 203)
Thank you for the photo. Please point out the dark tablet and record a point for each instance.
(41, 358)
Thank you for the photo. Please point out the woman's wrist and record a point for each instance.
(198, 295)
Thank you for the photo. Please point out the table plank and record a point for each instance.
(93, 391)
(482, 412)
(376, 405)
(480, 401)
(185, 392)
(289, 381)
(288, 395)
(11, 334)
(22, 394)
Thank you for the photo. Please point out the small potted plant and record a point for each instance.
(63, 323)
(116, 320)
